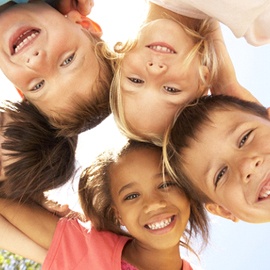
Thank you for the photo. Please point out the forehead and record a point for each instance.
(217, 135)
(230, 118)
(136, 164)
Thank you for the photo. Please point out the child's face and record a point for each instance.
(154, 81)
(230, 163)
(154, 212)
(54, 59)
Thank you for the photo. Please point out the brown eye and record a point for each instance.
(135, 80)
(244, 139)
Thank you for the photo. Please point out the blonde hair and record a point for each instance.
(203, 46)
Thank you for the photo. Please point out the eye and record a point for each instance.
(68, 60)
(38, 86)
(166, 185)
(171, 89)
(244, 139)
(131, 197)
(136, 80)
(220, 175)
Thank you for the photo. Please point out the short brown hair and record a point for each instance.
(188, 124)
(42, 159)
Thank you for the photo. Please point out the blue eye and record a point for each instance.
(68, 60)
(220, 175)
(171, 90)
(135, 80)
(38, 86)
(244, 139)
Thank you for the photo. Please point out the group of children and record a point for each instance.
(139, 204)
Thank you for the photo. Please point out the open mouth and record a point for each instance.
(161, 224)
(163, 48)
(265, 191)
(24, 39)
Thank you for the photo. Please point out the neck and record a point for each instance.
(156, 12)
(145, 258)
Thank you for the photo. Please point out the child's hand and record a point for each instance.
(56, 208)
(84, 7)
(61, 210)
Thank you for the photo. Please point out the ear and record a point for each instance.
(268, 110)
(20, 92)
(219, 210)
(117, 215)
(204, 79)
(85, 22)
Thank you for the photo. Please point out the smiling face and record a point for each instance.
(155, 83)
(230, 163)
(46, 55)
(154, 212)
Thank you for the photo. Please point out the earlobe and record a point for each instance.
(204, 82)
(268, 110)
(93, 27)
(117, 215)
(219, 210)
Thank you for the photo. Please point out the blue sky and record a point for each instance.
(234, 246)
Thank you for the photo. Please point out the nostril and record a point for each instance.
(160, 66)
(150, 64)
(257, 164)
(248, 176)
(36, 53)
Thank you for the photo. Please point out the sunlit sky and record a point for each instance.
(234, 246)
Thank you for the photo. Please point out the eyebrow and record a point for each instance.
(229, 132)
(76, 66)
(129, 185)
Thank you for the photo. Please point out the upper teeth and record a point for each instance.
(160, 225)
(161, 49)
(265, 194)
(25, 41)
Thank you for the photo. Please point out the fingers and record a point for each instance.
(85, 6)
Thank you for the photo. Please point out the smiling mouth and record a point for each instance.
(24, 39)
(265, 193)
(161, 224)
(161, 48)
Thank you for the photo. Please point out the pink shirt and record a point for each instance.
(77, 247)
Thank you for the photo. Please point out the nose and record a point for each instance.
(37, 61)
(154, 202)
(155, 67)
(248, 166)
